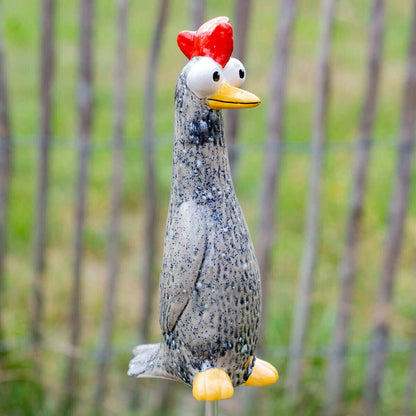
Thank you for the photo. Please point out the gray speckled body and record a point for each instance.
(210, 293)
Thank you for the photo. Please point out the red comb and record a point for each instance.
(213, 39)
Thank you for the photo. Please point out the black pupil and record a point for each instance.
(241, 73)
(216, 76)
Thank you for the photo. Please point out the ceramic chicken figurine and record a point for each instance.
(210, 291)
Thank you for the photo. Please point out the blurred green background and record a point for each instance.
(21, 392)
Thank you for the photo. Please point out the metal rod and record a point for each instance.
(211, 409)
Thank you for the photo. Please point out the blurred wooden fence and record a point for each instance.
(339, 349)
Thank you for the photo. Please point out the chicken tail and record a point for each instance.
(148, 363)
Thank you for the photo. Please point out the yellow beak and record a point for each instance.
(232, 97)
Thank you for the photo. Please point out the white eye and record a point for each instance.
(235, 73)
(205, 77)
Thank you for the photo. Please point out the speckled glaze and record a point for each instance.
(210, 292)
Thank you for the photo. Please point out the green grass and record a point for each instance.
(21, 391)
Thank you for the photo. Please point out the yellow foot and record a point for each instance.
(212, 384)
(263, 374)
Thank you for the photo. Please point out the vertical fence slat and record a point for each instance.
(5, 167)
(398, 211)
(197, 13)
(46, 79)
(85, 108)
(274, 144)
(339, 346)
(116, 192)
(313, 216)
(241, 24)
(410, 391)
(151, 196)
(148, 270)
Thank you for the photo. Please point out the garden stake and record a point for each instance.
(210, 290)
(211, 409)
